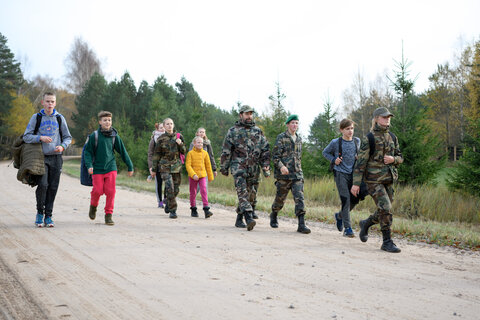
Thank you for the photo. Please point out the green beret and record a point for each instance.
(291, 117)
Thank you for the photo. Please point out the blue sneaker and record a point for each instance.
(160, 204)
(49, 222)
(348, 233)
(339, 222)
(39, 220)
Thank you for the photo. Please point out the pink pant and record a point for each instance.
(104, 184)
(202, 182)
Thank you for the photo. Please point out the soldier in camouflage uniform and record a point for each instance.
(287, 160)
(244, 149)
(379, 172)
(167, 163)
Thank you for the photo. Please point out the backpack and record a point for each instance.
(332, 164)
(371, 141)
(39, 120)
(85, 177)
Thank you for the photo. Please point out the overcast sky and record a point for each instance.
(237, 50)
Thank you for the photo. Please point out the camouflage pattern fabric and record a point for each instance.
(288, 153)
(245, 148)
(252, 183)
(166, 155)
(172, 187)
(382, 194)
(372, 168)
(283, 187)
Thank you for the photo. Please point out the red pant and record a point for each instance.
(202, 183)
(104, 184)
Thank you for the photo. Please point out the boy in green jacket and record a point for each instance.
(100, 161)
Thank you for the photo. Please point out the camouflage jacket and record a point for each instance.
(288, 153)
(245, 146)
(372, 168)
(166, 155)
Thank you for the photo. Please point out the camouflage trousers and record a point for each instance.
(172, 187)
(382, 194)
(246, 186)
(283, 187)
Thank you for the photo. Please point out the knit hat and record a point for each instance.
(291, 117)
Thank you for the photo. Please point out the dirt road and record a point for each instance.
(150, 267)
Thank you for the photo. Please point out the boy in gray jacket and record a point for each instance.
(52, 132)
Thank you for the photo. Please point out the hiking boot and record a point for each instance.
(388, 244)
(207, 211)
(348, 233)
(39, 220)
(167, 211)
(273, 220)
(194, 212)
(364, 225)
(302, 228)
(160, 204)
(92, 213)
(339, 221)
(249, 220)
(173, 215)
(108, 220)
(48, 222)
(254, 215)
(239, 222)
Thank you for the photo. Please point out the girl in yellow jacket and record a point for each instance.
(199, 168)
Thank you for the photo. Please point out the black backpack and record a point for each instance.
(85, 177)
(332, 164)
(371, 141)
(39, 120)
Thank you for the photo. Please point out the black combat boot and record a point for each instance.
(388, 244)
(249, 220)
(239, 222)
(173, 214)
(207, 211)
(194, 212)
(254, 215)
(167, 211)
(92, 213)
(273, 220)
(302, 228)
(364, 225)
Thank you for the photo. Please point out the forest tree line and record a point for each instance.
(428, 124)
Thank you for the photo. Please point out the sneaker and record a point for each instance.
(160, 204)
(49, 222)
(39, 220)
(348, 233)
(339, 222)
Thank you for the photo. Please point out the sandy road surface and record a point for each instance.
(150, 267)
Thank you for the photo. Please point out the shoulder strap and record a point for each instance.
(371, 143)
(59, 120)
(394, 137)
(37, 125)
(96, 139)
(340, 147)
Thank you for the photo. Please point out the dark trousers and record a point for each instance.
(158, 187)
(48, 185)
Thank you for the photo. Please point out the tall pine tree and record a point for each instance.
(11, 79)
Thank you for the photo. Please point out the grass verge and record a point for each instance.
(323, 202)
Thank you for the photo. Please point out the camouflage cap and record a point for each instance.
(246, 108)
(382, 112)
